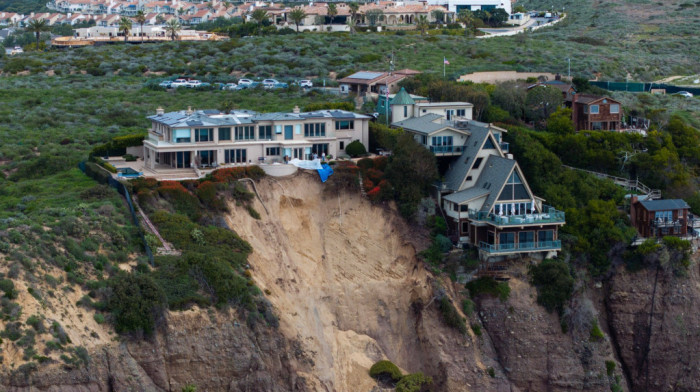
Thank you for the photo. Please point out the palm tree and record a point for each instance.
(36, 26)
(172, 28)
(351, 24)
(140, 18)
(332, 11)
(354, 7)
(422, 24)
(125, 27)
(259, 15)
(297, 15)
(466, 17)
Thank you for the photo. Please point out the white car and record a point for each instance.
(179, 83)
(229, 86)
(245, 82)
(193, 83)
(305, 83)
(270, 83)
(686, 94)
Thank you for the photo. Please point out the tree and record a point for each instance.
(519, 8)
(542, 101)
(438, 15)
(373, 16)
(332, 11)
(411, 171)
(351, 25)
(511, 97)
(422, 24)
(499, 16)
(259, 15)
(554, 284)
(354, 7)
(466, 17)
(36, 26)
(140, 18)
(125, 27)
(136, 302)
(160, 19)
(560, 122)
(297, 15)
(355, 149)
(172, 28)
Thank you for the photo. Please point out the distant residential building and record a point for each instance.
(567, 89)
(474, 5)
(363, 82)
(209, 138)
(660, 218)
(519, 18)
(591, 112)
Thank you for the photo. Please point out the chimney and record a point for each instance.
(160, 111)
(296, 109)
(189, 110)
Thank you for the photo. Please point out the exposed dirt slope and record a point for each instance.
(346, 284)
(655, 322)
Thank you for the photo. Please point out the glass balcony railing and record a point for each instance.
(548, 215)
(520, 247)
(446, 149)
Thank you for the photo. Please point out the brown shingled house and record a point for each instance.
(591, 112)
(659, 218)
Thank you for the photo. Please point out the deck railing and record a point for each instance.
(520, 247)
(446, 149)
(548, 215)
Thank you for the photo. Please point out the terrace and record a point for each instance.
(549, 215)
(520, 247)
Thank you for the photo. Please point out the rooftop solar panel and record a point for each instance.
(365, 75)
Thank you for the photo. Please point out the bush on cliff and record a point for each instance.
(385, 370)
(554, 284)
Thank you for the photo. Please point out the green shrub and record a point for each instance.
(253, 213)
(413, 382)
(610, 367)
(491, 372)
(450, 315)
(437, 225)
(467, 307)
(355, 149)
(99, 318)
(488, 286)
(385, 370)
(136, 302)
(554, 284)
(476, 328)
(596, 333)
(312, 107)
(36, 323)
(8, 287)
(365, 163)
(443, 243)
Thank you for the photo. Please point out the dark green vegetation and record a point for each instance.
(23, 6)
(554, 284)
(387, 373)
(488, 286)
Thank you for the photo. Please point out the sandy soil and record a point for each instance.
(340, 275)
(502, 76)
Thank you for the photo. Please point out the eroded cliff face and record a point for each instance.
(344, 278)
(655, 323)
(215, 351)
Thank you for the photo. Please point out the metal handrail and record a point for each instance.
(521, 246)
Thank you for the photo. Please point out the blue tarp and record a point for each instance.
(325, 172)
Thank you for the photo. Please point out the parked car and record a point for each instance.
(686, 94)
(229, 86)
(166, 83)
(245, 82)
(305, 83)
(192, 83)
(269, 83)
(179, 83)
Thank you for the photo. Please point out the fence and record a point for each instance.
(124, 192)
(635, 87)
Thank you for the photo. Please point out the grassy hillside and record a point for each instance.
(23, 6)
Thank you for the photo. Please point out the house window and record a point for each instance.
(489, 144)
(246, 132)
(614, 108)
(455, 207)
(465, 227)
(272, 151)
(663, 216)
(526, 239)
(319, 148)
(469, 178)
(477, 163)
(342, 146)
(405, 111)
(507, 240)
(449, 114)
(224, 133)
(339, 125)
(464, 208)
(594, 109)
(585, 109)
(315, 130)
(182, 136)
(237, 155)
(545, 237)
(203, 135)
(461, 112)
(265, 132)
(596, 125)
(424, 139)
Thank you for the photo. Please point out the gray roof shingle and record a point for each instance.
(213, 118)
(460, 167)
(423, 124)
(466, 195)
(664, 205)
(493, 177)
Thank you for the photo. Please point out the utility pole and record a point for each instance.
(569, 60)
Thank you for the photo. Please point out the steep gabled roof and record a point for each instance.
(459, 169)
(493, 177)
